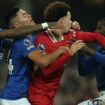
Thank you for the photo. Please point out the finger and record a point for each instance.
(78, 41)
(79, 47)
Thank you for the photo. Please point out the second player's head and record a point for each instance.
(18, 18)
(101, 26)
(59, 11)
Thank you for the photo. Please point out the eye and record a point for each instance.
(24, 14)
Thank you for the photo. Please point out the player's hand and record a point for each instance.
(75, 25)
(76, 46)
(63, 49)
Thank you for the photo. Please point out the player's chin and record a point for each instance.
(32, 24)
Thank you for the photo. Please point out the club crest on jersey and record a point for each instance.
(27, 42)
(41, 47)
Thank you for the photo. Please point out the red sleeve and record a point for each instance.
(91, 37)
(56, 65)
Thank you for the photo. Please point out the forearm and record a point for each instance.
(91, 37)
(23, 31)
(89, 51)
(56, 65)
(20, 32)
(48, 59)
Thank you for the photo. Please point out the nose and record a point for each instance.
(29, 15)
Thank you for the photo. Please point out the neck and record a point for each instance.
(55, 35)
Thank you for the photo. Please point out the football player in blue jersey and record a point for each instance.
(95, 62)
(5, 42)
(22, 56)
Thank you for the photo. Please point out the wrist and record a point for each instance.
(91, 52)
(44, 25)
(69, 51)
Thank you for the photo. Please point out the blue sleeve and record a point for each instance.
(99, 57)
(86, 65)
(25, 47)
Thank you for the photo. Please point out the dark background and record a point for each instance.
(87, 12)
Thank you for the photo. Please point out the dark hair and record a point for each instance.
(10, 15)
(55, 10)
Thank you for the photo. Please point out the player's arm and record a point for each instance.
(91, 37)
(59, 63)
(98, 56)
(90, 63)
(88, 36)
(23, 31)
(86, 65)
(45, 60)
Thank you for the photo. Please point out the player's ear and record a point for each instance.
(60, 20)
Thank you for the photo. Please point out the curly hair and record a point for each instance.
(55, 10)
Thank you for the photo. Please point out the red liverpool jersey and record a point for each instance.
(46, 80)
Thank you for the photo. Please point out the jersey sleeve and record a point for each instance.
(86, 65)
(56, 65)
(91, 37)
(25, 47)
(99, 57)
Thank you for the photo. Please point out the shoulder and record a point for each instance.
(42, 35)
(23, 42)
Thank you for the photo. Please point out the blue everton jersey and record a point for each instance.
(96, 63)
(19, 69)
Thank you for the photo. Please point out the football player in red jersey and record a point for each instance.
(44, 85)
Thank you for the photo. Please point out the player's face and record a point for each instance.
(100, 28)
(24, 19)
(66, 23)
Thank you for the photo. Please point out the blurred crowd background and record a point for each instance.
(73, 88)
